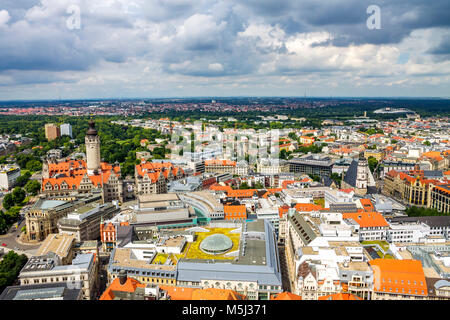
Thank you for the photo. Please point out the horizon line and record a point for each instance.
(227, 97)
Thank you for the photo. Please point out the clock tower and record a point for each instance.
(92, 142)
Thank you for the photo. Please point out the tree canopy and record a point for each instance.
(10, 267)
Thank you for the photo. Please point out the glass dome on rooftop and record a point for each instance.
(216, 244)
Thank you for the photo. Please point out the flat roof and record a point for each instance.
(158, 197)
(56, 243)
(355, 266)
(123, 258)
(50, 204)
(43, 291)
(86, 244)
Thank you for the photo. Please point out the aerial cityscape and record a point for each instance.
(189, 172)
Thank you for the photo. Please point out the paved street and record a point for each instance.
(10, 239)
(37, 176)
(104, 260)
(284, 269)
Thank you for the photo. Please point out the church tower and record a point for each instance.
(362, 177)
(92, 142)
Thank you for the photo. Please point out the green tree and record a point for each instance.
(10, 267)
(422, 212)
(337, 178)
(292, 136)
(8, 201)
(283, 154)
(18, 195)
(3, 223)
(23, 179)
(33, 187)
(34, 165)
(372, 163)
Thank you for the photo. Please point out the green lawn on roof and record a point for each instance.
(382, 244)
(160, 258)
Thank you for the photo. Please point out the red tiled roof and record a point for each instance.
(129, 286)
(399, 276)
(367, 219)
(285, 296)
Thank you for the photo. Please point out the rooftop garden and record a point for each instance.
(194, 251)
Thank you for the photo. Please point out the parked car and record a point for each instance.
(3, 244)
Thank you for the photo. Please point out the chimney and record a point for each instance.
(122, 277)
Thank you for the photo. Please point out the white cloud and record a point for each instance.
(215, 67)
(4, 17)
(179, 45)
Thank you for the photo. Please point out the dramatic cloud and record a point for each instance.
(222, 47)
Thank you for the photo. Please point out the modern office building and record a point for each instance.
(66, 130)
(312, 165)
(162, 209)
(205, 203)
(52, 131)
(255, 271)
(224, 255)
(84, 222)
(8, 176)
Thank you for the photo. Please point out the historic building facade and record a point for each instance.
(152, 178)
(80, 176)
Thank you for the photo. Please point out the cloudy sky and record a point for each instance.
(175, 48)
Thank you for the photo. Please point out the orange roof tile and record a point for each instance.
(399, 276)
(246, 193)
(285, 296)
(367, 205)
(178, 293)
(129, 286)
(185, 293)
(433, 155)
(216, 294)
(240, 209)
(218, 187)
(220, 162)
(367, 219)
(307, 207)
(153, 170)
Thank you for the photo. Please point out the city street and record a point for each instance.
(284, 269)
(10, 239)
(103, 282)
